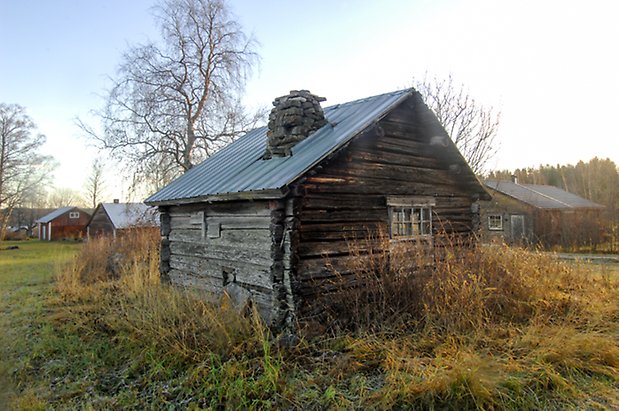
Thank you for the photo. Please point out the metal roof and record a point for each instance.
(54, 214)
(124, 215)
(239, 167)
(541, 196)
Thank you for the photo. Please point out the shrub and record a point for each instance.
(453, 288)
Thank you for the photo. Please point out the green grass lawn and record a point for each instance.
(26, 277)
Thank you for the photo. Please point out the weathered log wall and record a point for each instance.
(100, 224)
(221, 247)
(344, 198)
(283, 253)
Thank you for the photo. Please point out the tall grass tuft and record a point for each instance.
(453, 287)
(120, 278)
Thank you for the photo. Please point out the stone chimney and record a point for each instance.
(116, 201)
(293, 118)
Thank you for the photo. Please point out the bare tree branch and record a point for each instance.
(471, 126)
(23, 170)
(95, 184)
(175, 102)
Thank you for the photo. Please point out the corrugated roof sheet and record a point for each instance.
(54, 214)
(239, 167)
(124, 215)
(541, 196)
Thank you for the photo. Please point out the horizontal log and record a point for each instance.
(344, 216)
(359, 170)
(322, 201)
(248, 208)
(353, 227)
(331, 248)
(185, 279)
(321, 268)
(374, 186)
(238, 253)
(188, 221)
(381, 159)
(213, 271)
(342, 235)
(254, 239)
(213, 292)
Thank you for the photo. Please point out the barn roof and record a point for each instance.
(239, 170)
(541, 196)
(54, 214)
(124, 215)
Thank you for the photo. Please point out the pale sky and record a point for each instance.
(550, 67)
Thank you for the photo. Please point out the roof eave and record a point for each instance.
(243, 195)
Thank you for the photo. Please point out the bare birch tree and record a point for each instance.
(176, 101)
(95, 184)
(471, 126)
(23, 170)
(64, 197)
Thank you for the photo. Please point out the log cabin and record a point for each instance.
(539, 214)
(267, 218)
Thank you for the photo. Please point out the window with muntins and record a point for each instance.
(410, 218)
(495, 222)
(74, 214)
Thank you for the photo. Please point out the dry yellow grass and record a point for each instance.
(463, 327)
(119, 280)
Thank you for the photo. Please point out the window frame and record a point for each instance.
(493, 227)
(74, 215)
(402, 212)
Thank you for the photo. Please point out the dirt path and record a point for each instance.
(593, 258)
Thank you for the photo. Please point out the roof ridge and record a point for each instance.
(364, 99)
(527, 186)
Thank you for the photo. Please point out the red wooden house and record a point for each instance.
(63, 223)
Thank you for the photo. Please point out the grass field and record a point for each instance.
(26, 276)
(95, 340)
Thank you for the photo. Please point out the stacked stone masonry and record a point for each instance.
(293, 118)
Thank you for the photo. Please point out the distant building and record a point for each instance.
(27, 217)
(63, 223)
(113, 218)
(539, 214)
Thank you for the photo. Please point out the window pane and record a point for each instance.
(426, 214)
(425, 228)
(495, 222)
(407, 215)
(410, 222)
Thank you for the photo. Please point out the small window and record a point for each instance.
(495, 222)
(74, 214)
(410, 218)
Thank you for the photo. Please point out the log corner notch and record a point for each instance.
(164, 252)
(283, 223)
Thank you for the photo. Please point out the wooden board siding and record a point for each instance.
(344, 198)
(100, 224)
(63, 227)
(506, 206)
(221, 246)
